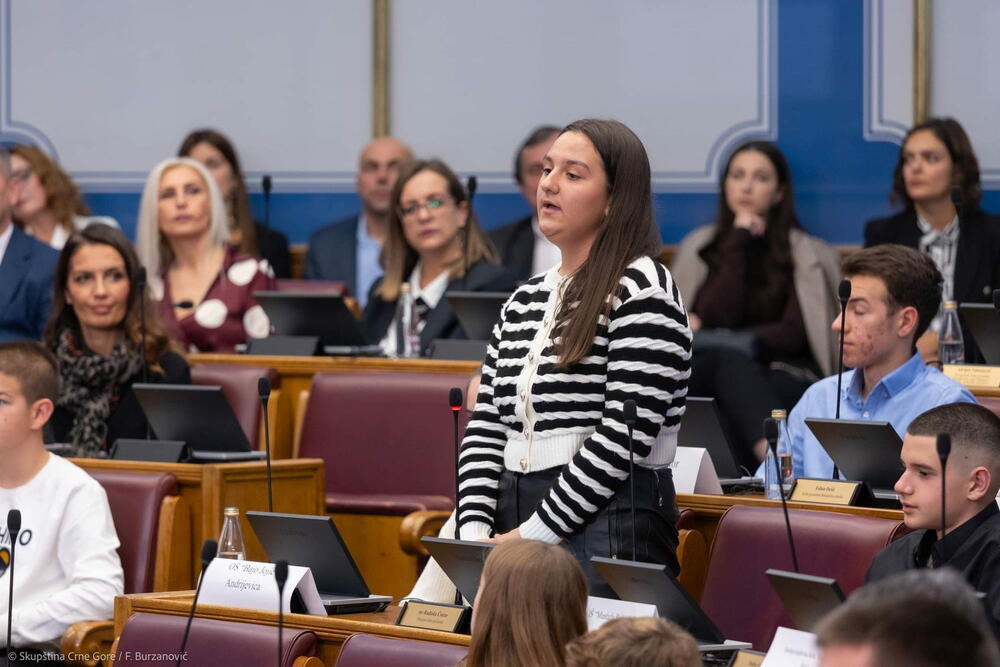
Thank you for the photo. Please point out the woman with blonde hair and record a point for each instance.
(532, 601)
(205, 286)
(49, 206)
(434, 245)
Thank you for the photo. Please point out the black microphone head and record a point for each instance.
(140, 277)
(771, 432)
(208, 550)
(184, 304)
(264, 388)
(943, 446)
(265, 183)
(628, 411)
(996, 299)
(844, 290)
(14, 522)
(281, 572)
(471, 186)
(455, 398)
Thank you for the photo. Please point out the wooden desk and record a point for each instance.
(209, 488)
(331, 631)
(296, 372)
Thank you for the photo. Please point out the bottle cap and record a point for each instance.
(405, 287)
(949, 305)
(779, 414)
(231, 511)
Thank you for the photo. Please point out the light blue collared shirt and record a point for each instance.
(368, 269)
(898, 398)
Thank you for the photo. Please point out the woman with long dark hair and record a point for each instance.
(767, 292)
(937, 181)
(96, 334)
(545, 455)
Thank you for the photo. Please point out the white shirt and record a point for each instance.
(546, 254)
(4, 242)
(430, 295)
(66, 566)
(59, 235)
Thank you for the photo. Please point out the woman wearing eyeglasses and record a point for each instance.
(434, 245)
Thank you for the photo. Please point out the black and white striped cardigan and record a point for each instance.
(532, 416)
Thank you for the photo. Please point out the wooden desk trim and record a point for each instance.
(716, 506)
(312, 365)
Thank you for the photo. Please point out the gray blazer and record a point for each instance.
(817, 275)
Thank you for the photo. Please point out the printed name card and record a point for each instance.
(435, 616)
(250, 585)
(602, 610)
(973, 375)
(694, 472)
(829, 491)
(748, 658)
(792, 648)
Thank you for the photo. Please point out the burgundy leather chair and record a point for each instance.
(361, 650)
(334, 287)
(738, 596)
(990, 402)
(146, 637)
(387, 440)
(239, 384)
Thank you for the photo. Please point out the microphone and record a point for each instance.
(183, 304)
(265, 184)
(455, 402)
(470, 186)
(264, 390)
(13, 528)
(208, 551)
(140, 286)
(628, 415)
(844, 293)
(943, 451)
(280, 576)
(771, 435)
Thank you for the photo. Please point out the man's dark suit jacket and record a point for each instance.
(333, 253)
(440, 322)
(25, 287)
(516, 244)
(977, 264)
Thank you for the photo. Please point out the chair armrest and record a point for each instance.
(304, 661)
(172, 571)
(420, 524)
(299, 417)
(87, 642)
(692, 554)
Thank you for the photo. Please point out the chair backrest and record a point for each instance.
(749, 540)
(384, 433)
(239, 384)
(135, 499)
(362, 650)
(990, 402)
(147, 637)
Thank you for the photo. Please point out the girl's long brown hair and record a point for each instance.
(628, 232)
(531, 603)
(62, 197)
(63, 315)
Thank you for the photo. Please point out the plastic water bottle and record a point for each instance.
(784, 461)
(231, 538)
(951, 345)
(407, 321)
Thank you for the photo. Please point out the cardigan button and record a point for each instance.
(524, 464)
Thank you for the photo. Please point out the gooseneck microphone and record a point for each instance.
(280, 576)
(943, 451)
(844, 294)
(140, 287)
(455, 402)
(208, 551)
(264, 390)
(13, 528)
(771, 435)
(470, 187)
(628, 416)
(265, 185)
(996, 299)
(187, 304)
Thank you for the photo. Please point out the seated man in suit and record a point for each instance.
(26, 269)
(895, 292)
(917, 619)
(348, 250)
(523, 248)
(971, 541)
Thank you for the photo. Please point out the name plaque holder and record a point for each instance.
(436, 616)
(833, 492)
(747, 658)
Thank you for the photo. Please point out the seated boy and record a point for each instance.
(971, 544)
(634, 642)
(66, 567)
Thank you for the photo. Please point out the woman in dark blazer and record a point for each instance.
(434, 246)
(96, 335)
(937, 180)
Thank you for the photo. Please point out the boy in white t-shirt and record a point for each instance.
(66, 566)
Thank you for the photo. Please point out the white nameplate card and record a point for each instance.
(602, 610)
(694, 472)
(792, 648)
(250, 585)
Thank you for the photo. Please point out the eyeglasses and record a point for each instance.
(20, 175)
(411, 210)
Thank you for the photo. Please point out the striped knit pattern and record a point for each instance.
(642, 351)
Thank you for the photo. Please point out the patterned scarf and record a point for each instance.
(90, 389)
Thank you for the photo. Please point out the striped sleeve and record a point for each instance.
(481, 458)
(649, 361)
